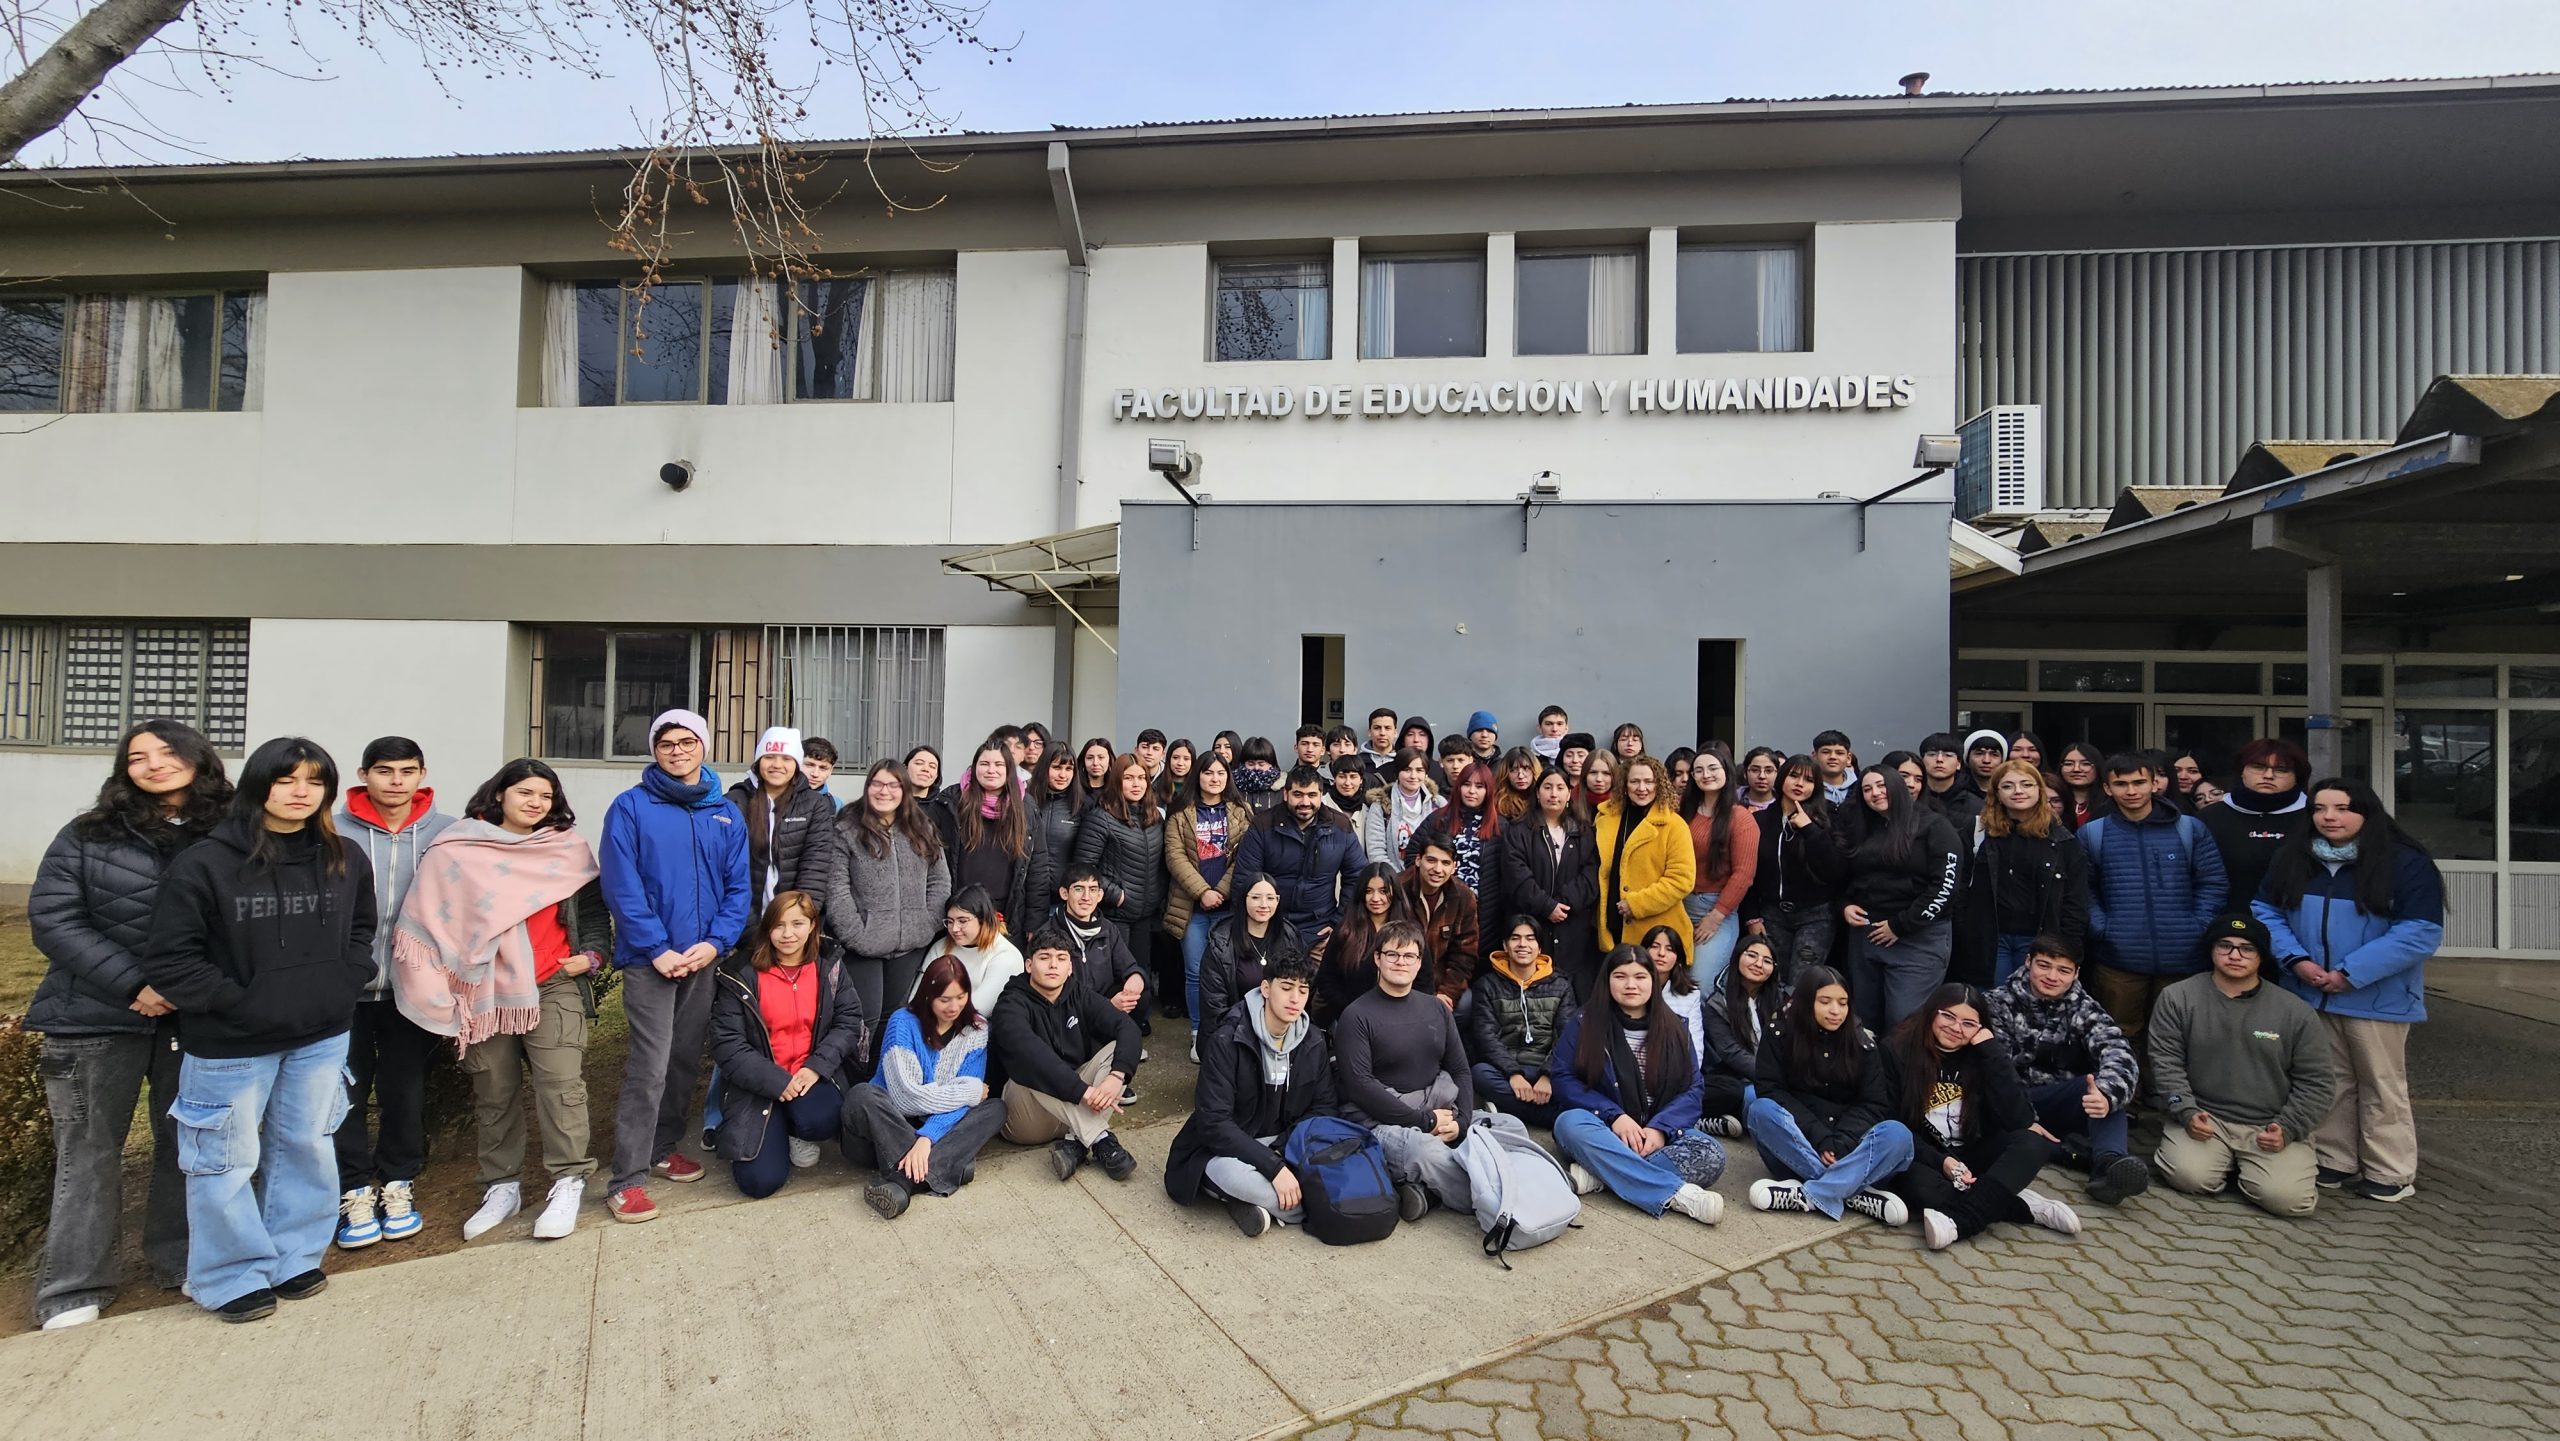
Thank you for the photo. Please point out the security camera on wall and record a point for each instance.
(676, 474)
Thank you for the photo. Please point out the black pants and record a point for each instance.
(2002, 1166)
(878, 1137)
(1724, 1095)
(387, 1061)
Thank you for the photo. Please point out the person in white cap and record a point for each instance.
(676, 877)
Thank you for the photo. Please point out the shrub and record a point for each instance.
(26, 1138)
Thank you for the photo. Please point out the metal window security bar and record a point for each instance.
(876, 691)
(2156, 367)
(72, 683)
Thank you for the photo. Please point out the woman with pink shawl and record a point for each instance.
(501, 945)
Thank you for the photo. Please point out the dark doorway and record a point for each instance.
(1320, 680)
(1720, 692)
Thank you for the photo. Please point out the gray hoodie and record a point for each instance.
(1274, 1054)
(394, 855)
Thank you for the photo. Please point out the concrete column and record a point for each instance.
(1662, 291)
(1346, 297)
(1501, 296)
(2324, 616)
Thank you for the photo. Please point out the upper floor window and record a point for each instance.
(1741, 297)
(80, 683)
(1275, 310)
(723, 340)
(1421, 305)
(196, 350)
(1581, 302)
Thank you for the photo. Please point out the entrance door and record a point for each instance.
(1320, 680)
(2359, 739)
(2215, 733)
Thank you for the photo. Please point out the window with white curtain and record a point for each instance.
(195, 350)
(81, 683)
(1741, 297)
(1581, 302)
(727, 340)
(1421, 305)
(1275, 310)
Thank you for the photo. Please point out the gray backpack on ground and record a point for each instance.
(1522, 1198)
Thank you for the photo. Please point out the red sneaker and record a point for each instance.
(679, 1167)
(631, 1203)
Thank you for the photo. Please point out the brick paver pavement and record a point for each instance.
(2181, 1318)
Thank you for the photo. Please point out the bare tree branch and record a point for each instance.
(43, 94)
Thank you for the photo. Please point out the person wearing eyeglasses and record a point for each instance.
(676, 878)
(1975, 1149)
(2244, 1070)
(1401, 1070)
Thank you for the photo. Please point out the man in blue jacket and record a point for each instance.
(2155, 883)
(674, 863)
(1310, 853)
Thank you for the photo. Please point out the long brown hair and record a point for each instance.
(1996, 819)
(908, 820)
(1008, 825)
(1719, 858)
(1142, 811)
(939, 976)
(1666, 1049)
(1510, 803)
(762, 957)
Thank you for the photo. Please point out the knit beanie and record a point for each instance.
(1980, 740)
(2245, 926)
(687, 719)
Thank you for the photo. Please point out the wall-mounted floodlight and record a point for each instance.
(1542, 490)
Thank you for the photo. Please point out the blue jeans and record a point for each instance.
(1884, 1151)
(1716, 951)
(1195, 944)
(1647, 1182)
(711, 1105)
(2007, 954)
(2058, 1110)
(817, 1116)
(257, 1142)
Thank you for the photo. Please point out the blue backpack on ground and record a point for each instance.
(1342, 1181)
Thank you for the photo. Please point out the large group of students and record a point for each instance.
(1912, 984)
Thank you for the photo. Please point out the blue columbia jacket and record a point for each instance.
(1674, 1114)
(675, 867)
(2385, 956)
(2153, 888)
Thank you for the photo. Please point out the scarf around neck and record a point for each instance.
(462, 964)
(2330, 853)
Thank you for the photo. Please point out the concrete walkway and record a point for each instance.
(1018, 1308)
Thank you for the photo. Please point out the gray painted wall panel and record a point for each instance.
(2160, 367)
(1602, 615)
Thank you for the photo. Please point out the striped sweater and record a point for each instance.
(939, 1086)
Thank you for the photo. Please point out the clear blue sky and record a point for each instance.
(1111, 61)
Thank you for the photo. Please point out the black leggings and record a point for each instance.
(2002, 1166)
(1724, 1095)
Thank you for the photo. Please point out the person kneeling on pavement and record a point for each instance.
(1068, 1054)
(1632, 1091)
(2078, 1068)
(787, 1030)
(1403, 1073)
(2243, 1069)
(922, 1119)
(1520, 1001)
(1263, 1068)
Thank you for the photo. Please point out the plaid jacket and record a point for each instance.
(2064, 1039)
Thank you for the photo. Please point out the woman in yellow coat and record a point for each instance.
(1647, 862)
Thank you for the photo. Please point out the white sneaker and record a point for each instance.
(76, 1316)
(1779, 1196)
(804, 1154)
(1938, 1229)
(1584, 1183)
(2050, 1213)
(501, 1200)
(560, 1215)
(1698, 1204)
(1878, 1205)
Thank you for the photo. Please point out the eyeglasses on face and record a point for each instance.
(678, 745)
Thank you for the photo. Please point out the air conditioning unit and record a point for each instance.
(2000, 462)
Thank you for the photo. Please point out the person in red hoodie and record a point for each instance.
(391, 816)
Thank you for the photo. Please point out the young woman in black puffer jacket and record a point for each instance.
(1122, 836)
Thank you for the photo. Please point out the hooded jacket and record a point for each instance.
(880, 906)
(2064, 1039)
(1539, 878)
(1313, 865)
(839, 1037)
(1379, 820)
(792, 843)
(2153, 888)
(1182, 867)
(1250, 1087)
(1914, 892)
(1513, 1023)
(1130, 857)
(1801, 868)
(674, 868)
(1221, 983)
(2384, 957)
(394, 857)
(266, 957)
(90, 910)
(1040, 1043)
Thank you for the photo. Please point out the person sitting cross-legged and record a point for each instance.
(1067, 1054)
(925, 1115)
(1631, 1089)
(2243, 1069)
(1821, 1110)
(1264, 1067)
(1519, 1000)
(2078, 1068)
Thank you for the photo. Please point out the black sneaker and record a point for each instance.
(1065, 1154)
(2077, 1155)
(1128, 1094)
(2114, 1180)
(258, 1305)
(2333, 1180)
(2367, 1190)
(1114, 1158)
(1411, 1200)
(309, 1283)
(1729, 1127)
(1249, 1218)
(888, 1197)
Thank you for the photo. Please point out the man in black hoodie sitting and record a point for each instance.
(1262, 1071)
(1068, 1056)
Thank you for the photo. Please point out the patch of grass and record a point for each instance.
(21, 966)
